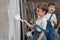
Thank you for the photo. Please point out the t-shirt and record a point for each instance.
(53, 17)
(42, 23)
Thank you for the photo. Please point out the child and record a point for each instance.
(50, 14)
(40, 24)
(51, 9)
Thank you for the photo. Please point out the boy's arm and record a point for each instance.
(28, 24)
(54, 19)
(41, 35)
(44, 23)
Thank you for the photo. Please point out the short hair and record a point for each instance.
(43, 7)
(51, 4)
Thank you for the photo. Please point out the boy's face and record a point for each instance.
(51, 8)
(39, 12)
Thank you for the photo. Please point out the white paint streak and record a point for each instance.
(14, 26)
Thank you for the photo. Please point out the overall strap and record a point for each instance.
(40, 27)
(50, 16)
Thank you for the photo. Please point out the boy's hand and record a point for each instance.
(39, 39)
(52, 20)
(23, 21)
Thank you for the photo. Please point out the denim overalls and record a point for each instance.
(36, 33)
(50, 31)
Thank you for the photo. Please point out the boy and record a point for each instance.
(40, 24)
(51, 9)
(53, 20)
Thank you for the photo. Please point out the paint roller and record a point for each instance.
(17, 17)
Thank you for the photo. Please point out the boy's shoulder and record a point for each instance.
(54, 15)
(44, 19)
(50, 14)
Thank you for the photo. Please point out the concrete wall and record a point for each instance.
(14, 25)
(4, 20)
(9, 27)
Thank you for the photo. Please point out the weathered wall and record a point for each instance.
(14, 25)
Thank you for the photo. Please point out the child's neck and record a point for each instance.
(42, 16)
(49, 12)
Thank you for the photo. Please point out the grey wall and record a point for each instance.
(3, 20)
(9, 27)
(14, 25)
